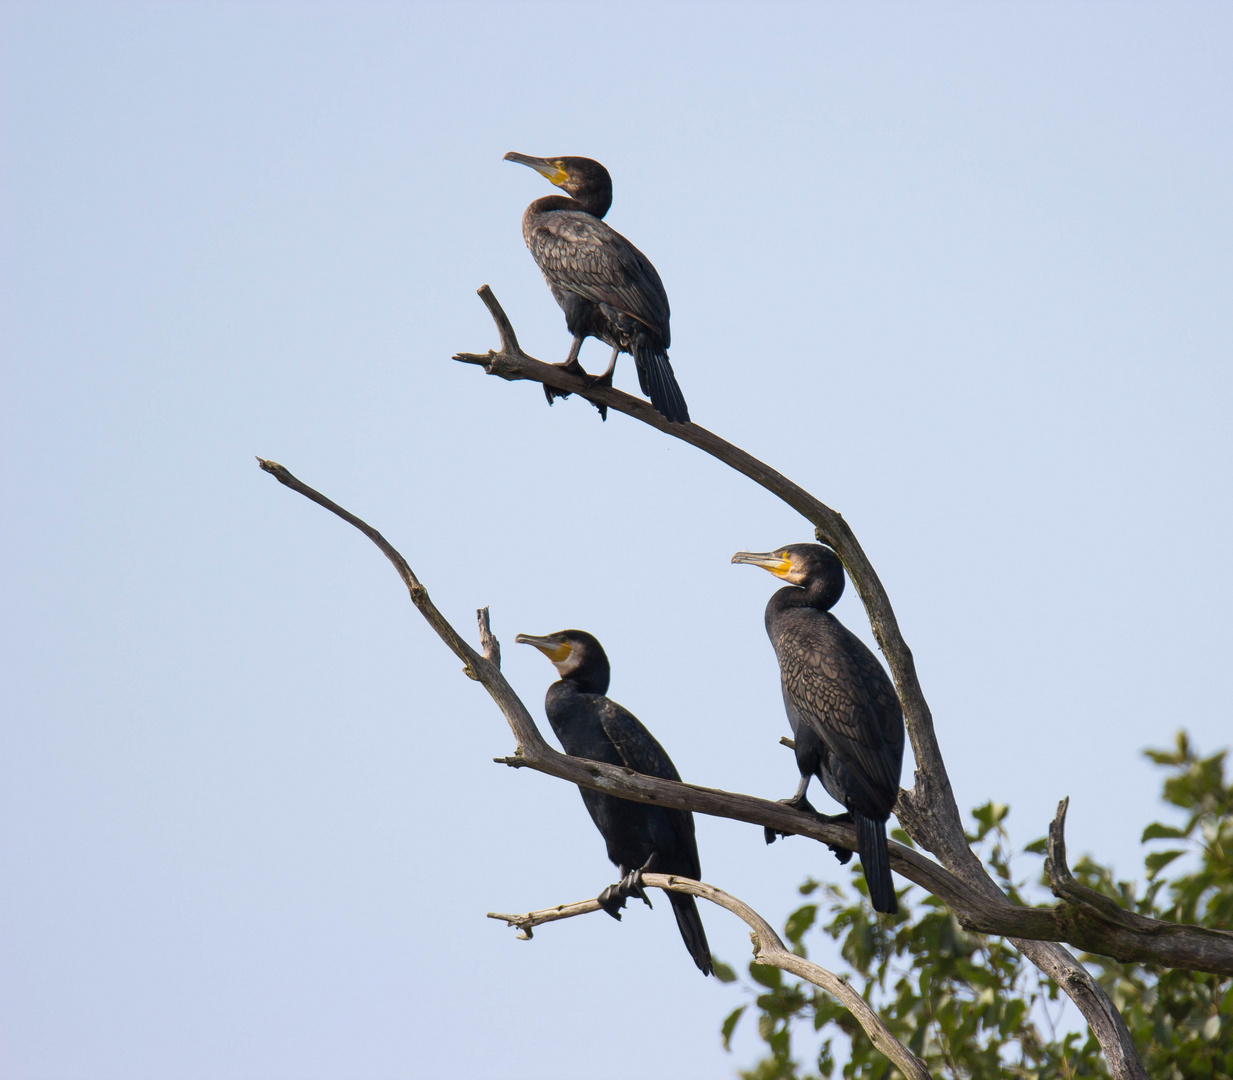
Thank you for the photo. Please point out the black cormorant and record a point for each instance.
(607, 288)
(842, 706)
(640, 837)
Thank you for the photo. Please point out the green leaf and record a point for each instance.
(730, 1022)
(1163, 757)
(799, 921)
(1156, 831)
(1158, 860)
(1038, 847)
(766, 975)
(1012, 1017)
(722, 971)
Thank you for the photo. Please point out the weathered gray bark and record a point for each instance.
(927, 811)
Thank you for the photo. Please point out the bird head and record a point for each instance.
(812, 566)
(581, 178)
(574, 653)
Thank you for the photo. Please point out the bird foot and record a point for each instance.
(571, 365)
(612, 901)
(797, 802)
(843, 854)
(613, 898)
(601, 380)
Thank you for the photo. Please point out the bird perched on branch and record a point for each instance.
(641, 838)
(607, 288)
(842, 706)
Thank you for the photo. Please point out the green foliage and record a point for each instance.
(971, 1006)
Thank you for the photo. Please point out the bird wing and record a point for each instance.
(836, 685)
(639, 749)
(580, 253)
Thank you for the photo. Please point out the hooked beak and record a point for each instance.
(553, 173)
(768, 560)
(552, 647)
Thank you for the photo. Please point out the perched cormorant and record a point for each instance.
(607, 288)
(640, 837)
(842, 706)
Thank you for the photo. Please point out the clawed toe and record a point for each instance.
(571, 365)
(631, 885)
(843, 854)
(612, 900)
(797, 802)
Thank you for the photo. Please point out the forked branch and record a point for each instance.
(927, 811)
(533, 751)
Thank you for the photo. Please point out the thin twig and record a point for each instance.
(768, 948)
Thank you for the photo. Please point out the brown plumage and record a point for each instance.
(607, 288)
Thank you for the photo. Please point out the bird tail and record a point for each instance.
(660, 385)
(875, 861)
(689, 922)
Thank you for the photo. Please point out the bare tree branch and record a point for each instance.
(768, 949)
(983, 910)
(936, 820)
(532, 751)
(489, 643)
(1195, 947)
(928, 811)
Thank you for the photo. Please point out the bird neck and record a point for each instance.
(591, 676)
(589, 679)
(822, 595)
(590, 202)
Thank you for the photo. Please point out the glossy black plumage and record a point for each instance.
(590, 725)
(845, 715)
(607, 288)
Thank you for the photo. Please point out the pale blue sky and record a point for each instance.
(962, 270)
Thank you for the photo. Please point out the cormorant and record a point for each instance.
(842, 706)
(607, 288)
(640, 837)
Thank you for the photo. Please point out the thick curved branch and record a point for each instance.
(978, 910)
(1103, 919)
(533, 751)
(928, 811)
(768, 949)
(936, 823)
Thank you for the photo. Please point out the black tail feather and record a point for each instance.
(659, 384)
(689, 922)
(875, 861)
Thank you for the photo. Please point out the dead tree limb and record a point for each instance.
(533, 752)
(928, 811)
(768, 948)
(982, 911)
(971, 905)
